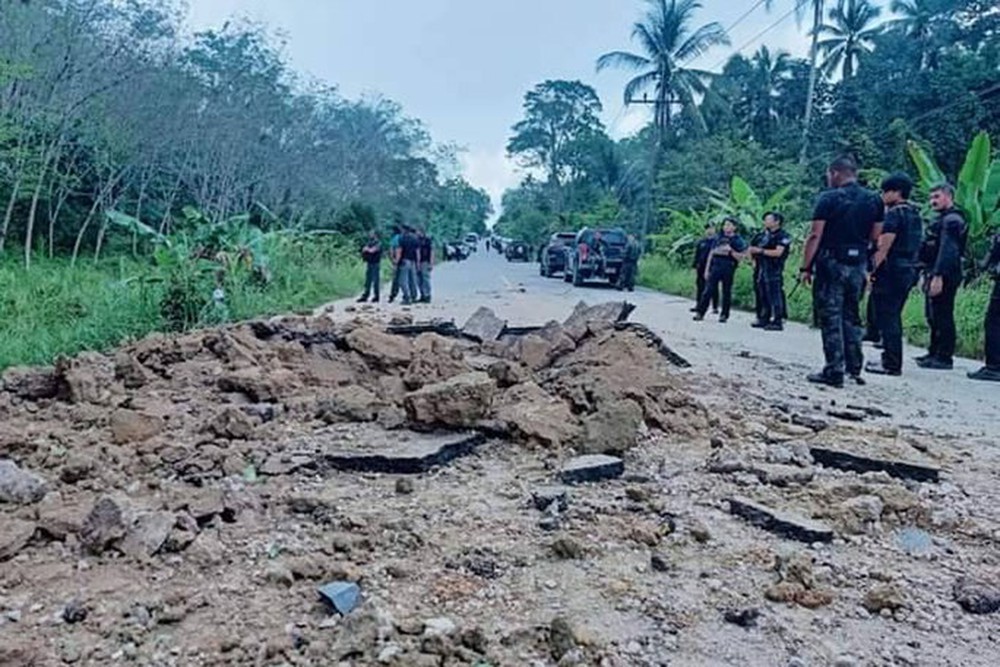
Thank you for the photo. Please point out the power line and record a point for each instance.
(936, 110)
(753, 40)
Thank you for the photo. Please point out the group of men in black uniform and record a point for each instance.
(858, 241)
(411, 252)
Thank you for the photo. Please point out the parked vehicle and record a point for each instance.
(472, 241)
(555, 255)
(455, 251)
(598, 254)
(518, 251)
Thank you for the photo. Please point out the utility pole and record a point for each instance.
(653, 161)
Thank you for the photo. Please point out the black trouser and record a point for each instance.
(394, 290)
(373, 279)
(940, 311)
(873, 327)
(760, 304)
(720, 275)
(889, 293)
(627, 279)
(839, 305)
(772, 288)
(701, 284)
(993, 329)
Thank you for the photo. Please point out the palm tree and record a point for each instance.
(921, 20)
(668, 44)
(767, 74)
(851, 33)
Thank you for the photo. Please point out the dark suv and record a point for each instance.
(555, 255)
(518, 252)
(598, 254)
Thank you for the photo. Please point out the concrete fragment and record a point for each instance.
(841, 460)
(18, 486)
(786, 524)
(613, 429)
(402, 453)
(31, 383)
(382, 349)
(148, 535)
(458, 402)
(352, 403)
(484, 326)
(343, 596)
(533, 414)
(129, 426)
(591, 468)
(543, 497)
(14, 536)
(231, 423)
(655, 341)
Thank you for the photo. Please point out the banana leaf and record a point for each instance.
(930, 173)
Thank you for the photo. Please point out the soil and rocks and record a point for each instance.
(555, 495)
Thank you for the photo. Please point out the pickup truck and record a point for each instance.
(598, 254)
(555, 255)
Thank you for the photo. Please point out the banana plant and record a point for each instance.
(977, 190)
(744, 204)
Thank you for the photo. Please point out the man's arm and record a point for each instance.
(885, 242)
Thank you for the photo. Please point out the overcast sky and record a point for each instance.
(463, 66)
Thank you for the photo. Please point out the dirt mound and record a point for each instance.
(199, 462)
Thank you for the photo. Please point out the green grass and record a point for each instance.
(662, 274)
(53, 309)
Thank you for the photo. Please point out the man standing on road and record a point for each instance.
(991, 371)
(894, 270)
(846, 219)
(701, 254)
(371, 253)
(425, 264)
(409, 256)
(942, 257)
(759, 298)
(394, 257)
(630, 264)
(727, 250)
(770, 256)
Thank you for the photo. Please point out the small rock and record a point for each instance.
(147, 537)
(439, 627)
(567, 548)
(659, 562)
(18, 486)
(104, 527)
(280, 574)
(14, 536)
(978, 596)
(129, 426)
(745, 618)
(562, 638)
(544, 497)
(885, 596)
(404, 486)
(592, 468)
(699, 532)
(75, 612)
(343, 596)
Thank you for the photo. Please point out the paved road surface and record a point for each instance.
(772, 365)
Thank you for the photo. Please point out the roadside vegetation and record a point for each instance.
(163, 166)
(902, 86)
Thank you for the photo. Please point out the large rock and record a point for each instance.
(105, 526)
(89, 378)
(461, 401)
(978, 596)
(353, 403)
(31, 383)
(613, 429)
(580, 322)
(435, 359)
(380, 348)
(232, 424)
(20, 486)
(148, 535)
(130, 426)
(484, 326)
(534, 351)
(535, 415)
(14, 536)
(261, 386)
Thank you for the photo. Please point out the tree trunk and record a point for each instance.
(33, 212)
(8, 216)
(813, 75)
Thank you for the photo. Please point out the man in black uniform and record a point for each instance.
(894, 270)
(371, 253)
(991, 371)
(759, 295)
(942, 257)
(771, 255)
(701, 254)
(727, 250)
(630, 264)
(846, 219)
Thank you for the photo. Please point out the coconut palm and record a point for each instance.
(668, 44)
(767, 74)
(921, 20)
(851, 33)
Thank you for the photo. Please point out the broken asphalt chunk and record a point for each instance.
(484, 326)
(592, 468)
(441, 328)
(343, 596)
(781, 523)
(414, 454)
(832, 458)
(811, 423)
(654, 340)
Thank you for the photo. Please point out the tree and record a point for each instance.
(923, 21)
(768, 74)
(851, 33)
(558, 115)
(668, 44)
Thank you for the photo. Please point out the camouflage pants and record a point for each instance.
(840, 287)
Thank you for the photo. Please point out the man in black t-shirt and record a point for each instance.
(943, 249)
(701, 254)
(991, 371)
(409, 256)
(371, 253)
(425, 263)
(846, 219)
(894, 270)
(727, 250)
(770, 253)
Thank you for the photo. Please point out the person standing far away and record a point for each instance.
(409, 257)
(847, 218)
(759, 297)
(942, 253)
(771, 256)
(630, 264)
(894, 270)
(395, 257)
(701, 254)
(371, 253)
(425, 264)
(991, 371)
(727, 250)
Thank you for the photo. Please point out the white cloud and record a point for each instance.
(491, 170)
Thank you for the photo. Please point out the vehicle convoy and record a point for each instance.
(555, 255)
(518, 251)
(597, 254)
